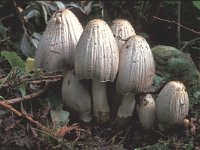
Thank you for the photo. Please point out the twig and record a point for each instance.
(41, 79)
(27, 97)
(173, 22)
(179, 21)
(190, 42)
(9, 107)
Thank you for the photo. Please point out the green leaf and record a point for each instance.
(13, 59)
(22, 88)
(196, 4)
(33, 13)
(26, 47)
(60, 5)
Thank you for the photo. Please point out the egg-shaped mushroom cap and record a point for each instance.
(172, 104)
(58, 42)
(122, 29)
(97, 55)
(136, 68)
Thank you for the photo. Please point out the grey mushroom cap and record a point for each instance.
(136, 68)
(172, 104)
(122, 29)
(58, 42)
(97, 55)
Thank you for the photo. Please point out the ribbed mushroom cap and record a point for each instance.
(56, 48)
(172, 104)
(97, 55)
(122, 29)
(136, 68)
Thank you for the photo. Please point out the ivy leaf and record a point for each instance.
(196, 4)
(13, 59)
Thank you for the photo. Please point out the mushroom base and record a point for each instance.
(86, 117)
(125, 110)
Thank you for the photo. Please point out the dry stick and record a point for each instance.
(190, 42)
(6, 105)
(173, 22)
(27, 97)
(179, 21)
(46, 79)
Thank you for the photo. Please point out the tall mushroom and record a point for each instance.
(97, 58)
(76, 96)
(172, 105)
(56, 48)
(136, 70)
(122, 29)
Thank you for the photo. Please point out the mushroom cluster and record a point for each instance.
(100, 53)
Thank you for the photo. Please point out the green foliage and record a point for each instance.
(169, 144)
(196, 4)
(22, 88)
(13, 59)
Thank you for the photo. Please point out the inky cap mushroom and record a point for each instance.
(56, 48)
(172, 105)
(97, 58)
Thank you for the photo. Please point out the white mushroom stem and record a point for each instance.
(126, 109)
(101, 108)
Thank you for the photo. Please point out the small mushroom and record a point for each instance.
(172, 105)
(122, 30)
(147, 112)
(58, 42)
(136, 70)
(76, 97)
(97, 58)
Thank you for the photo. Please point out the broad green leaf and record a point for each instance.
(26, 47)
(196, 4)
(60, 5)
(33, 13)
(45, 13)
(13, 59)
